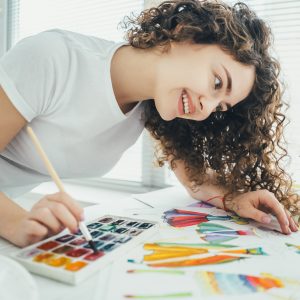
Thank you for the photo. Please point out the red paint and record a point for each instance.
(48, 245)
(78, 252)
(94, 256)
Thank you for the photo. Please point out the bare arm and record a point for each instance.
(11, 122)
(48, 216)
(204, 192)
(10, 212)
(255, 205)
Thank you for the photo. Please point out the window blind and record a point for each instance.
(92, 17)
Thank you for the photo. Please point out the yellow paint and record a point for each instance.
(75, 266)
(57, 261)
(42, 257)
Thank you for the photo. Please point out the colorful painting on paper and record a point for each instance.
(184, 218)
(296, 248)
(212, 283)
(216, 233)
(161, 296)
(188, 256)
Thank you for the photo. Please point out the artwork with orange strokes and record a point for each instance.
(220, 283)
(183, 218)
(180, 255)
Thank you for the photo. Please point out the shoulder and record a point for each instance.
(34, 51)
(45, 44)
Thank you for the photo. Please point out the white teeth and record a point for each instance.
(185, 103)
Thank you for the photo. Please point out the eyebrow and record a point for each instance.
(229, 81)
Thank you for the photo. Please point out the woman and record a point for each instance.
(197, 74)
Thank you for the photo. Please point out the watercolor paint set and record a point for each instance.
(68, 257)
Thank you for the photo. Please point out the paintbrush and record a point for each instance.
(58, 183)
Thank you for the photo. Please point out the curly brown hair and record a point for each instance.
(244, 145)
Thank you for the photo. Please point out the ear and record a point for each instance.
(165, 48)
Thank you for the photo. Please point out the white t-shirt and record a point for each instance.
(60, 82)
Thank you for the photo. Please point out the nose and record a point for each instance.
(207, 106)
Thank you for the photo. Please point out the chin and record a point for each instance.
(166, 117)
(164, 112)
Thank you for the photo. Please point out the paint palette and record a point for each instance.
(69, 258)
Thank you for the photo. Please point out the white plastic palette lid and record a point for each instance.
(15, 281)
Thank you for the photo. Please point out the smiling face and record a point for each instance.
(194, 80)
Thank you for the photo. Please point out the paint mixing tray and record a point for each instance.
(68, 257)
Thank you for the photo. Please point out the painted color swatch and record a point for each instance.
(179, 255)
(184, 218)
(216, 233)
(294, 247)
(212, 283)
(215, 259)
(164, 296)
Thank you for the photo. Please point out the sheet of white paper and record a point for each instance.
(155, 283)
(280, 261)
(169, 197)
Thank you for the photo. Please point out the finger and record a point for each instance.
(63, 215)
(34, 231)
(66, 200)
(296, 222)
(45, 216)
(292, 223)
(268, 199)
(255, 214)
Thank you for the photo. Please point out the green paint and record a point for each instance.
(175, 272)
(177, 295)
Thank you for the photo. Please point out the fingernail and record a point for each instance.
(266, 219)
(82, 217)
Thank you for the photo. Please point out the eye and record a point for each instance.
(218, 83)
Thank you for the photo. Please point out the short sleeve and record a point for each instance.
(30, 73)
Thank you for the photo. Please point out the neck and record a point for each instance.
(133, 75)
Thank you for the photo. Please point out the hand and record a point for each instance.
(48, 217)
(256, 205)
